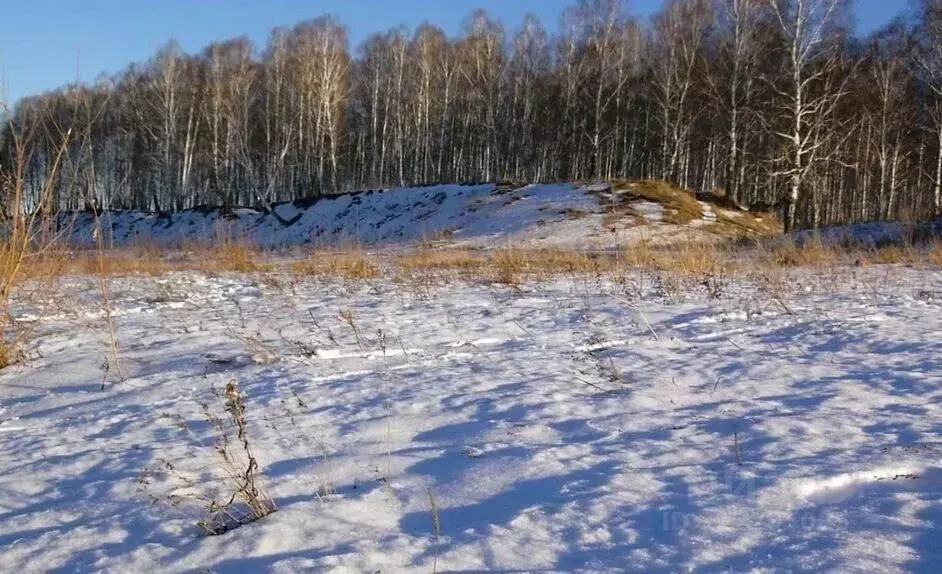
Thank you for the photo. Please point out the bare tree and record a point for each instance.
(733, 83)
(929, 59)
(804, 25)
(679, 32)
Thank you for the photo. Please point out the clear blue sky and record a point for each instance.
(44, 42)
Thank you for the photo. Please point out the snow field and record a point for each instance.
(569, 425)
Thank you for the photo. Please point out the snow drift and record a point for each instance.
(561, 214)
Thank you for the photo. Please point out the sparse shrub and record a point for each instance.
(231, 491)
(668, 287)
(27, 232)
(715, 286)
(242, 467)
(260, 352)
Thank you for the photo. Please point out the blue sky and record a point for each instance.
(46, 43)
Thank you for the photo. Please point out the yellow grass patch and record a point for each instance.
(680, 207)
(349, 265)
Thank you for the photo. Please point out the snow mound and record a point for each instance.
(874, 233)
(539, 215)
(844, 486)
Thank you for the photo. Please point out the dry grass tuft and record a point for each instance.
(150, 261)
(745, 225)
(440, 260)
(348, 265)
(123, 262)
(235, 256)
(935, 253)
(809, 253)
(687, 258)
(510, 266)
(891, 254)
(680, 207)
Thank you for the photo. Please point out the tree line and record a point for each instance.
(776, 103)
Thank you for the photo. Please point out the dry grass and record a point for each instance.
(696, 258)
(425, 267)
(573, 213)
(680, 207)
(512, 265)
(147, 260)
(810, 253)
(45, 266)
(122, 262)
(425, 259)
(228, 492)
(430, 240)
(935, 253)
(815, 253)
(508, 266)
(892, 254)
(348, 265)
(28, 235)
(235, 256)
(745, 225)
(11, 335)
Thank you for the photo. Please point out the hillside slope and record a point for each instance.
(564, 214)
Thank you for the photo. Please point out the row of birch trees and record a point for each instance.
(776, 103)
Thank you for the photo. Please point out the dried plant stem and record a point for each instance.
(436, 527)
(115, 356)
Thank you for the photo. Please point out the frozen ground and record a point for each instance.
(555, 430)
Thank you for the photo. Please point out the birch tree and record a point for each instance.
(804, 25)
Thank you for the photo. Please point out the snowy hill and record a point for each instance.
(539, 215)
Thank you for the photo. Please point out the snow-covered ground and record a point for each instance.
(875, 233)
(768, 429)
(539, 215)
